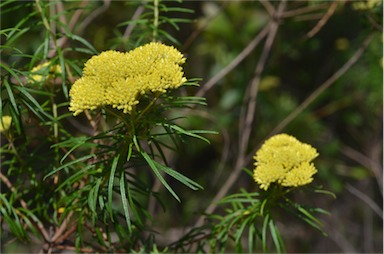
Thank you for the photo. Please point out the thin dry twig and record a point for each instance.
(304, 10)
(247, 120)
(93, 15)
(323, 87)
(188, 42)
(73, 248)
(77, 14)
(235, 62)
(269, 7)
(131, 26)
(40, 226)
(366, 162)
(323, 20)
(365, 199)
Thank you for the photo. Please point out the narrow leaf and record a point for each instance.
(110, 185)
(124, 202)
(159, 176)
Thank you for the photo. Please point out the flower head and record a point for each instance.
(284, 160)
(118, 79)
(5, 123)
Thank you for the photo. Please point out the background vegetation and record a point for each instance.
(312, 69)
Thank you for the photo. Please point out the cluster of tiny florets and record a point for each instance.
(118, 79)
(284, 160)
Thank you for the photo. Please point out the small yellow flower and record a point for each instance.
(118, 79)
(41, 72)
(284, 160)
(5, 123)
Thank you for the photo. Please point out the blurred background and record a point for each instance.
(313, 41)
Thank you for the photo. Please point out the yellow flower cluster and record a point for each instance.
(5, 123)
(40, 72)
(117, 79)
(284, 160)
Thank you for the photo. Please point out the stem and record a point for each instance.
(148, 106)
(155, 19)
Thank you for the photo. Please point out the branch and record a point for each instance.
(323, 87)
(240, 57)
(250, 112)
(25, 206)
(366, 200)
(323, 20)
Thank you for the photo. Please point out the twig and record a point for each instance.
(269, 7)
(240, 57)
(94, 15)
(224, 156)
(244, 139)
(77, 14)
(323, 20)
(304, 10)
(188, 42)
(25, 206)
(62, 227)
(322, 87)
(365, 161)
(131, 26)
(73, 248)
(366, 200)
(65, 235)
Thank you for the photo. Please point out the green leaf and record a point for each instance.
(11, 97)
(264, 232)
(77, 176)
(326, 192)
(239, 233)
(124, 202)
(92, 200)
(110, 184)
(24, 92)
(180, 130)
(180, 177)
(251, 237)
(152, 165)
(276, 237)
(86, 157)
(133, 207)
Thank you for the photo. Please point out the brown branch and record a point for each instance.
(131, 26)
(40, 226)
(240, 57)
(93, 15)
(77, 14)
(62, 228)
(247, 121)
(188, 42)
(323, 20)
(365, 199)
(323, 87)
(269, 7)
(304, 10)
(73, 248)
(366, 162)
